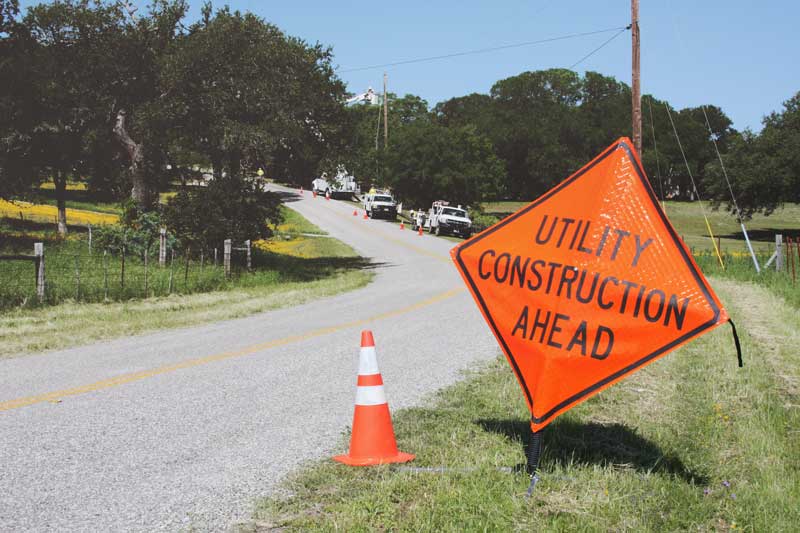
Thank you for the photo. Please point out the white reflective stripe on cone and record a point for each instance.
(370, 395)
(367, 361)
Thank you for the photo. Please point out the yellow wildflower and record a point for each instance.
(48, 213)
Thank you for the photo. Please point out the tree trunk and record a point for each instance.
(60, 180)
(140, 193)
(216, 166)
(235, 165)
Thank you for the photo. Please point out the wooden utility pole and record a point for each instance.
(385, 114)
(636, 93)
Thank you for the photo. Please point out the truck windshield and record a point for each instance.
(379, 198)
(454, 212)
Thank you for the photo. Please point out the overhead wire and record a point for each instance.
(496, 48)
(694, 186)
(730, 189)
(658, 163)
(681, 42)
(590, 54)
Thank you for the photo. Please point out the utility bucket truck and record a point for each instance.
(343, 185)
(442, 219)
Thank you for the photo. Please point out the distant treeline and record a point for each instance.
(131, 102)
(534, 129)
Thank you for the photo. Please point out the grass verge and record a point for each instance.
(688, 443)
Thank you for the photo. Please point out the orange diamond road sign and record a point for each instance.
(587, 284)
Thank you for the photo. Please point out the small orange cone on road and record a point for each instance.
(402, 226)
(315, 193)
(327, 195)
(365, 215)
(372, 441)
(420, 231)
(355, 212)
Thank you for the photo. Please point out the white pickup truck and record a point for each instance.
(380, 204)
(442, 219)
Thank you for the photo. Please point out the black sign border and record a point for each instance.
(633, 366)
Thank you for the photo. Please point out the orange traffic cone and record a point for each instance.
(327, 195)
(420, 231)
(402, 226)
(314, 193)
(372, 441)
(365, 215)
(355, 212)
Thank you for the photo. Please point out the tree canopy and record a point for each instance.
(130, 103)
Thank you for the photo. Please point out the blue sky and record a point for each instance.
(740, 55)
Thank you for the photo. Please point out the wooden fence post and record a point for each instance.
(38, 251)
(122, 271)
(779, 252)
(162, 248)
(249, 261)
(145, 274)
(215, 258)
(227, 258)
(90, 239)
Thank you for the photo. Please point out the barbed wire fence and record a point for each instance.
(84, 273)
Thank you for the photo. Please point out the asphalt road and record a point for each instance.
(185, 429)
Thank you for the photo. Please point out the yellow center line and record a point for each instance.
(123, 379)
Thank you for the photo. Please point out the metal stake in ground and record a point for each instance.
(534, 452)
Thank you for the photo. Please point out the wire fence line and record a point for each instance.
(78, 273)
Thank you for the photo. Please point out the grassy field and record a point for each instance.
(688, 220)
(689, 443)
(292, 268)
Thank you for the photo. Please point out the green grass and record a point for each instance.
(294, 223)
(740, 267)
(77, 199)
(687, 217)
(688, 443)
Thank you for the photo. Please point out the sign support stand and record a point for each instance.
(534, 452)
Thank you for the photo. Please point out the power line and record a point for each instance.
(494, 49)
(590, 54)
